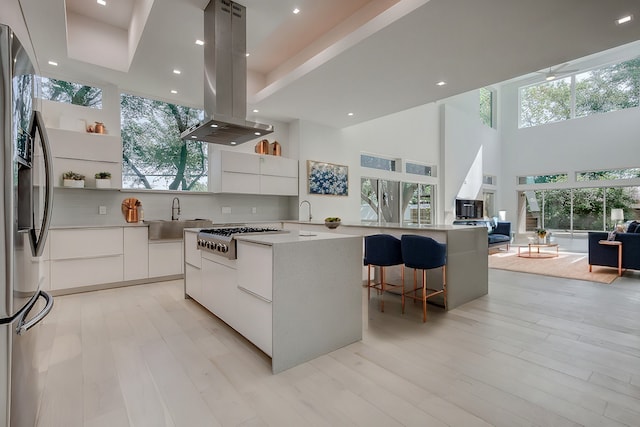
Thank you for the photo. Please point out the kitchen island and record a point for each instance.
(467, 255)
(295, 295)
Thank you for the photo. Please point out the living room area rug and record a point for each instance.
(567, 265)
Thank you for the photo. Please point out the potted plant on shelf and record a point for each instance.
(332, 222)
(542, 233)
(103, 180)
(73, 179)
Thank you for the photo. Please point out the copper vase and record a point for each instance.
(262, 147)
(275, 148)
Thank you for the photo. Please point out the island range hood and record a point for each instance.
(225, 78)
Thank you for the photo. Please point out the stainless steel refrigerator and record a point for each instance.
(24, 222)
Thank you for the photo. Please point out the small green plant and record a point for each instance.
(103, 175)
(541, 232)
(72, 175)
(332, 219)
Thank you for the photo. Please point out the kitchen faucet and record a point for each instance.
(175, 216)
(309, 203)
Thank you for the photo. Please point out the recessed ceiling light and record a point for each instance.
(257, 133)
(214, 125)
(102, 2)
(441, 83)
(177, 72)
(255, 110)
(296, 11)
(247, 54)
(233, 143)
(200, 42)
(54, 63)
(349, 114)
(193, 137)
(174, 91)
(624, 19)
(550, 77)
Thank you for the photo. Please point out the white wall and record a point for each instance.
(412, 134)
(470, 148)
(597, 142)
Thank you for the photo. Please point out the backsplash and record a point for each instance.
(81, 207)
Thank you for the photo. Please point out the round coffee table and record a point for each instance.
(536, 253)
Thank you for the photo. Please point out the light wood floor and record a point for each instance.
(537, 351)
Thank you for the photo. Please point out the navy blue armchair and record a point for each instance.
(608, 256)
(500, 235)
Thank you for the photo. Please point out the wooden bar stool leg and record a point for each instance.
(369, 281)
(402, 293)
(444, 285)
(382, 287)
(415, 284)
(424, 296)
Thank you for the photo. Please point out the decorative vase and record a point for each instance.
(542, 238)
(103, 183)
(74, 183)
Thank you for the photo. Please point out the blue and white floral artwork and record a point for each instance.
(327, 178)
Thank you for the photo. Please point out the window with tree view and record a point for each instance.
(153, 155)
(70, 92)
(610, 88)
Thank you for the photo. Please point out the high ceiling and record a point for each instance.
(366, 57)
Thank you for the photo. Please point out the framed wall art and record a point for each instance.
(327, 178)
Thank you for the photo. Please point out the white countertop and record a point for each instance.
(124, 224)
(292, 236)
(398, 226)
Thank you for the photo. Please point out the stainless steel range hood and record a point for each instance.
(225, 78)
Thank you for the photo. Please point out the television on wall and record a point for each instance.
(468, 209)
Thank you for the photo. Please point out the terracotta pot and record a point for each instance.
(99, 128)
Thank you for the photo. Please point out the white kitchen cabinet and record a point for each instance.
(165, 258)
(191, 251)
(254, 295)
(248, 173)
(85, 256)
(219, 280)
(85, 242)
(136, 253)
(74, 273)
(193, 282)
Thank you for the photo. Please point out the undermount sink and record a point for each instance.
(163, 229)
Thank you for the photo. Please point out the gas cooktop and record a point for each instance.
(220, 240)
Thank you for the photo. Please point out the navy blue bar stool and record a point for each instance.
(424, 253)
(382, 250)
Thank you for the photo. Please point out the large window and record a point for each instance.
(385, 201)
(154, 156)
(579, 209)
(70, 92)
(610, 88)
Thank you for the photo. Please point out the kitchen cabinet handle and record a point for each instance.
(25, 326)
(260, 297)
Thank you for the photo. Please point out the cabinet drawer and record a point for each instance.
(255, 268)
(86, 243)
(193, 282)
(74, 273)
(232, 161)
(278, 166)
(278, 185)
(232, 182)
(255, 320)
